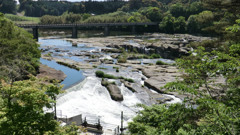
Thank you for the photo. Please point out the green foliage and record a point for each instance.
(162, 119)
(137, 17)
(180, 25)
(101, 74)
(211, 80)
(8, 6)
(77, 8)
(134, 5)
(41, 8)
(68, 65)
(235, 27)
(167, 24)
(154, 56)
(161, 63)
(22, 107)
(122, 59)
(22, 19)
(22, 112)
(115, 17)
(212, 106)
(152, 13)
(129, 80)
(177, 10)
(65, 18)
(19, 52)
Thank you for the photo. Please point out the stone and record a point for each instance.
(50, 73)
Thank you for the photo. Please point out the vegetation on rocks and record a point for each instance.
(161, 63)
(68, 65)
(101, 74)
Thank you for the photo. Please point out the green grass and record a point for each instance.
(22, 19)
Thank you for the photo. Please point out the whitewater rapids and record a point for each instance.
(93, 101)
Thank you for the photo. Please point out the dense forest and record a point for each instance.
(212, 106)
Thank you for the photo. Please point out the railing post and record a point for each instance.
(74, 32)
(35, 32)
(121, 129)
(106, 31)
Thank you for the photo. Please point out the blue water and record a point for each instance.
(73, 76)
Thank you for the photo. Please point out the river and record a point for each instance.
(84, 93)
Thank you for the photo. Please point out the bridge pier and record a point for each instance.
(133, 29)
(74, 32)
(35, 33)
(106, 31)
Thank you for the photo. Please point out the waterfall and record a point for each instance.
(93, 101)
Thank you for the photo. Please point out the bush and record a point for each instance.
(110, 76)
(122, 59)
(155, 56)
(161, 63)
(99, 74)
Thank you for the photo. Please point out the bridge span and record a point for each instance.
(75, 27)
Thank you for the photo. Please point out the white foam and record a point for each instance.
(93, 101)
(175, 99)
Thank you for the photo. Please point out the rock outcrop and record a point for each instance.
(50, 73)
(113, 90)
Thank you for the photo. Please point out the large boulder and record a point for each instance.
(113, 90)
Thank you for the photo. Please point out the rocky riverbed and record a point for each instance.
(103, 53)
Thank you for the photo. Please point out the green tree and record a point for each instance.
(192, 24)
(22, 107)
(177, 10)
(167, 24)
(77, 8)
(152, 13)
(22, 102)
(19, 52)
(180, 25)
(211, 80)
(8, 6)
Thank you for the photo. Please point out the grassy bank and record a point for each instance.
(22, 19)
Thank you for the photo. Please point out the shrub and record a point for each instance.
(122, 59)
(155, 56)
(99, 74)
(110, 76)
(161, 63)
